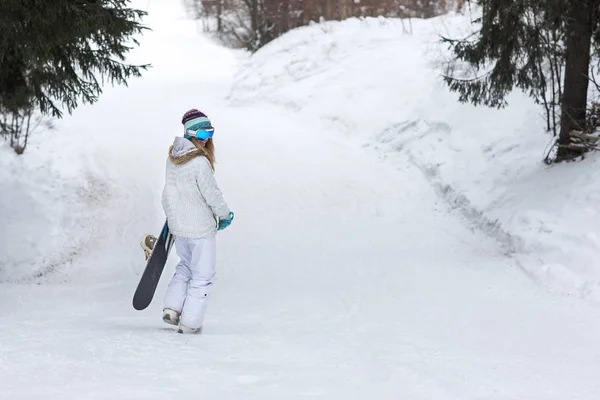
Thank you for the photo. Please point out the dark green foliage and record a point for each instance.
(58, 53)
(510, 48)
(540, 46)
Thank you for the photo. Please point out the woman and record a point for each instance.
(195, 211)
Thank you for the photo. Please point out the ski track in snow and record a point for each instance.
(342, 276)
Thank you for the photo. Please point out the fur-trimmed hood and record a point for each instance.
(182, 150)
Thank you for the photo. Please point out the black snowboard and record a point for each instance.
(156, 263)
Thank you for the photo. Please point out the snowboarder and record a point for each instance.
(195, 210)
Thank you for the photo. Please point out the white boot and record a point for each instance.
(170, 316)
(186, 330)
(147, 244)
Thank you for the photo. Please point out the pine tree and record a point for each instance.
(59, 53)
(525, 44)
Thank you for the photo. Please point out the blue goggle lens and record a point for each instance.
(201, 134)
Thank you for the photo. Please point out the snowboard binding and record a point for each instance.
(147, 244)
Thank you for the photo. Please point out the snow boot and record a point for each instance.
(186, 330)
(170, 316)
(147, 244)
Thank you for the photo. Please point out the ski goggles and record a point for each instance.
(201, 134)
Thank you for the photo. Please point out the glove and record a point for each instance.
(224, 223)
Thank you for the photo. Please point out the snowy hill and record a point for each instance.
(362, 261)
(381, 87)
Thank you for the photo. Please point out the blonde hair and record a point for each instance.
(208, 148)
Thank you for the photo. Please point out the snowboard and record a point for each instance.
(154, 268)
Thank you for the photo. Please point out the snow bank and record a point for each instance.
(380, 85)
(47, 202)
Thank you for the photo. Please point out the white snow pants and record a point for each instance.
(189, 289)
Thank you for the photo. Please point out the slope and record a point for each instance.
(381, 87)
(343, 276)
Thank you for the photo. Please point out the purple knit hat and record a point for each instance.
(192, 114)
(196, 123)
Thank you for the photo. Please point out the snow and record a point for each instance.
(50, 200)
(381, 86)
(360, 263)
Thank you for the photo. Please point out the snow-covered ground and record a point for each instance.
(352, 268)
(382, 88)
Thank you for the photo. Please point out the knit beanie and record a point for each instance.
(195, 120)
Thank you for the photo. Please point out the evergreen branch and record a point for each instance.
(463, 80)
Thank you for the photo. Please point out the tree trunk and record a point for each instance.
(327, 14)
(254, 23)
(577, 62)
(285, 17)
(220, 16)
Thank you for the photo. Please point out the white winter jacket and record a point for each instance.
(191, 197)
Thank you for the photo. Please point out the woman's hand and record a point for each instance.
(224, 223)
